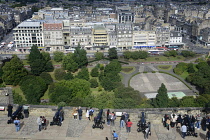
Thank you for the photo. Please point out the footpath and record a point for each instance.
(82, 130)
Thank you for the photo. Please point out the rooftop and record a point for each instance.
(29, 24)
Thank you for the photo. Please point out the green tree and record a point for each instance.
(94, 72)
(33, 88)
(17, 99)
(127, 54)
(46, 56)
(135, 55)
(188, 101)
(104, 100)
(112, 53)
(58, 56)
(201, 100)
(162, 99)
(69, 63)
(93, 83)
(83, 74)
(126, 97)
(173, 53)
(13, 71)
(187, 53)
(173, 102)
(166, 53)
(66, 91)
(59, 74)
(69, 76)
(143, 54)
(99, 55)
(113, 67)
(80, 57)
(47, 78)
(49, 67)
(191, 68)
(36, 61)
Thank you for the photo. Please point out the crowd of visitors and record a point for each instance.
(187, 123)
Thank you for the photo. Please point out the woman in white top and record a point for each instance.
(87, 114)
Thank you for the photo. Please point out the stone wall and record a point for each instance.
(152, 114)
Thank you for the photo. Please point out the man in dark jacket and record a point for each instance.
(122, 120)
(80, 113)
(9, 109)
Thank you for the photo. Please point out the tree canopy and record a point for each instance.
(39, 62)
(58, 56)
(13, 71)
(33, 88)
(112, 53)
(161, 99)
(67, 90)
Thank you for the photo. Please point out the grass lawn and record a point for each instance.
(56, 63)
(128, 70)
(52, 75)
(19, 91)
(46, 95)
(184, 74)
(165, 67)
(25, 62)
(94, 91)
(195, 68)
(159, 58)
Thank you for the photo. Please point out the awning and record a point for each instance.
(144, 46)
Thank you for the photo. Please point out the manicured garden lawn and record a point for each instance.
(184, 74)
(19, 91)
(46, 95)
(159, 58)
(128, 69)
(165, 67)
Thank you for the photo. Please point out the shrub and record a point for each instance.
(59, 74)
(93, 83)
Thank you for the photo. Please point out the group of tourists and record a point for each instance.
(187, 123)
(42, 122)
(77, 113)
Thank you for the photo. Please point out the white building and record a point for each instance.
(144, 39)
(53, 36)
(27, 34)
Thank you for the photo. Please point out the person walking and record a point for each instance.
(122, 120)
(61, 115)
(115, 136)
(9, 110)
(80, 113)
(108, 117)
(198, 122)
(17, 124)
(39, 122)
(113, 118)
(208, 135)
(184, 130)
(87, 114)
(26, 110)
(146, 133)
(91, 111)
(128, 125)
(75, 113)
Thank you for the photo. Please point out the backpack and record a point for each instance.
(90, 112)
(16, 123)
